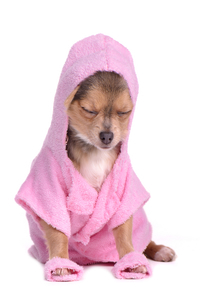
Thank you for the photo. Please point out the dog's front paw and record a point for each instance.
(62, 272)
(133, 265)
(62, 269)
(140, 269)
(164, 254)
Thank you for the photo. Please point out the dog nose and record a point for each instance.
(106, 137)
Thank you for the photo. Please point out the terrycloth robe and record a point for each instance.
(57, 193)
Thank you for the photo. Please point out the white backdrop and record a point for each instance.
(163, 37)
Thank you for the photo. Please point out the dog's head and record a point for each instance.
(100, 110)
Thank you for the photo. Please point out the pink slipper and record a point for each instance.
(131, 260)
(56, 263)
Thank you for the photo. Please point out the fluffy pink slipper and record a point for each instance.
(132, 260)
(61, 263)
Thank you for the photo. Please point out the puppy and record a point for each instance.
(98, 124)
(98, 121)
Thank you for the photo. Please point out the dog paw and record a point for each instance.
(62, 272)
(140, 269)
(133, 265)
(164, 254)
(62, 269)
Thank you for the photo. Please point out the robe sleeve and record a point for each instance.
(43, 194)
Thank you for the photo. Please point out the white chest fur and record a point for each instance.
(96, 166)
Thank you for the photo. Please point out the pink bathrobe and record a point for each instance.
(57, 193)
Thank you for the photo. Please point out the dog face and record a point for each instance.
(100, 110)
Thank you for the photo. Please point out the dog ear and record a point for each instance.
(71, 97)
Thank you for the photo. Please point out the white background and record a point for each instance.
(163, 37)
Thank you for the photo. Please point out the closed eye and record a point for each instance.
(122, 113)
(89, 111)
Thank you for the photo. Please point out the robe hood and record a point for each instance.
(54, 190)
(95, 53)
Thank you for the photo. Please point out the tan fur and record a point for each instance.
(56, 241)
(123, 237)
(110, 113)
(90, 125)
(100, 110)
(159, 252)
(70, 97)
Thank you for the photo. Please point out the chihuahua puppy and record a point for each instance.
(98, 121)
(98, 124)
